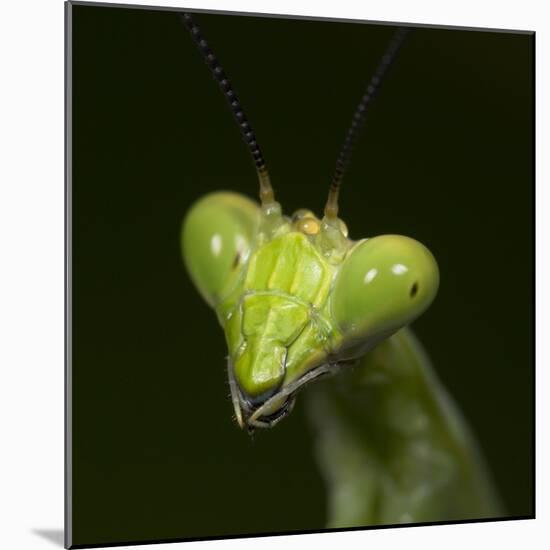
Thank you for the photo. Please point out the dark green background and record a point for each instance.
(446, 157)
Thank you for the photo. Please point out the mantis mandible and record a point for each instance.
(299, 301)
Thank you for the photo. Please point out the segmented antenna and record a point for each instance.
(331, 208)
(266, 191)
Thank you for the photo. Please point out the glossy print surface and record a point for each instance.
(445, 158)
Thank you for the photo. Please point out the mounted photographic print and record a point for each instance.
(300, 274)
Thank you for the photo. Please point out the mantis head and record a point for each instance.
(296, 298)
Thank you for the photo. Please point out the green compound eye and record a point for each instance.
(383, 284)
(216, 237)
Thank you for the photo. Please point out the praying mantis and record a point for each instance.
(303, 307)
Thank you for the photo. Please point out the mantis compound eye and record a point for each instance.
(216, 237)
(384, 283)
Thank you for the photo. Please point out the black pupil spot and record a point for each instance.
(414, 290)
(236, 260)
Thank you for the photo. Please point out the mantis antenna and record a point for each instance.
(357, 122)
(266, 191)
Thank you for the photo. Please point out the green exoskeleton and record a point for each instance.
(298, 300)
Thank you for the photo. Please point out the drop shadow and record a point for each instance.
(55, 536)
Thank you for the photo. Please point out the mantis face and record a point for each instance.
(296, 298)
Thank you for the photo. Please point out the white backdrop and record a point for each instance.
(31, 268)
